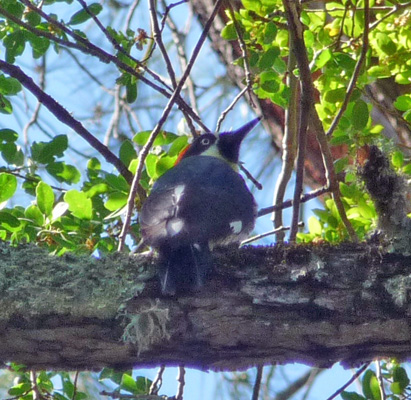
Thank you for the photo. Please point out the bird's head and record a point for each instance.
(225, 146)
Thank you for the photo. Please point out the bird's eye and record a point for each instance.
(205, 141)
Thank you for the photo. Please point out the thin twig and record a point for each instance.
(170, 70)
(356, 73)
(35, 389)
(306, 102)
(87, 47)
(243, 47)
(146, 148)
(181, 383)
(265, 234)
(247, 173)
(257, 384)
(349, 382)
(379, 376)
(289, 203)
(229, 108)
(76, 375)
(289, 142)
(158, 381)
(64, 116)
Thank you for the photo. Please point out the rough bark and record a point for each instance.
(312, 304)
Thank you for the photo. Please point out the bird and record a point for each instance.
(202, 201)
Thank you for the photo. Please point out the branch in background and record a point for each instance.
(289, 142)
(157, 33)
(299, 383)
(146, 148)
(356, 73)
(306, 102)
(229, 108)
(64, 116)
(88, 48)
(257, 384)
(248, 75)
(182, 57)
(289, 203)
(349, 382)
(181, 382)
(265, 234)
(158, 381)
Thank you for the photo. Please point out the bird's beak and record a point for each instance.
(242, 132)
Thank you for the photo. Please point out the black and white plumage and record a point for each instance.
(199, 202)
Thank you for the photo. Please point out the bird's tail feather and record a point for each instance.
(184, 269)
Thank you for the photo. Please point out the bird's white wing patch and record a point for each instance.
(178, 192)
(174, 226)
(236, 227)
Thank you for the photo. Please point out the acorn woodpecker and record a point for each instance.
(200, 202)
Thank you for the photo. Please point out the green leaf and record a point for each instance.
(351, 396)
(127, 152)
(9, 221)
(229, 32)
(79, 204)
(164, 164)
(179, 144)
(5, 105)
(63, 172)
(8, 186)
(151, 162)
(9, 86)
(371, 386)
(400, 377)
(128, 383)
(162, 138)
(360, 115)
(45, 198)
(267, 59)
(323, 58)
(270, 32)
(33, 212)
(44, 152)
(116, 200)
(118, 182)
(8, 135)
(385, 44)
(314, 226)
(131, 92)
(403, 103)
(33, 18)
(397, 159)
(335, 95)
(81, 16)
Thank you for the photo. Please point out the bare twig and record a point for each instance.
(247, 173)
(76, 375)
(306, 101)
(181, 382)
(349, 382)
(265, 234)
(296, 385)
(356, 73)
(289, 142)
(229, 108)
(158, 380)
(35, 115)
(257, 384)
(87, 47)
(144, 151)
(289, 203)
(379, 376)
(248, 75)
(64, 116)
(34, 387)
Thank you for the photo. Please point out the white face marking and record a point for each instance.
(236, 227)
(178, 192)
(197, 246)
(174, 226)
(213, 152)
